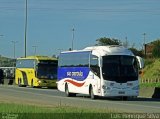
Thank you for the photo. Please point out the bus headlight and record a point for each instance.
(39, 81)
(136, 88)
(103, 87)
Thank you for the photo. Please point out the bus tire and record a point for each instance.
(68, 94)
(32, 86)
(19, 82)
(91, 93)
(67, 90)
(125, 98)
(2, 82)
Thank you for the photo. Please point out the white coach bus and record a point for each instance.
(99, 71)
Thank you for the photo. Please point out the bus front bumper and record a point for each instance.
(46, 83)
(120, 93)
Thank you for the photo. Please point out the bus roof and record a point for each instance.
(105, 50)
(38, 58)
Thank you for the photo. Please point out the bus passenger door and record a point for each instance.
(95, 68)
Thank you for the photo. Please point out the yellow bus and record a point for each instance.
(36, 71)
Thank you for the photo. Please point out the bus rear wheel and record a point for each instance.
(32, 86)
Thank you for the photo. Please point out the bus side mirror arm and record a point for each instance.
(140, 62)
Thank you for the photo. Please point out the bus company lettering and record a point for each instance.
(77, 73)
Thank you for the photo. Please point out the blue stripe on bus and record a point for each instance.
(76, 73)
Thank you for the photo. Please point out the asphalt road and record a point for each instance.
(54, 98)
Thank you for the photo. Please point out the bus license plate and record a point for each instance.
(121, 92)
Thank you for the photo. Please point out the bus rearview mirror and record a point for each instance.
(140, 62)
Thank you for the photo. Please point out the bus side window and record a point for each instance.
(36, 68)
(96, 70)
(94, 65)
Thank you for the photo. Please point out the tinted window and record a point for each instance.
(47, 70)
(94, 65)
(93, 60)
(29, 63)
(74, 59)
(120, 68)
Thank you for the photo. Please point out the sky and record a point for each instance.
(50, 24)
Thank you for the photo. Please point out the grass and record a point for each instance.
(151, 73)
(20, 111)
(152, 69)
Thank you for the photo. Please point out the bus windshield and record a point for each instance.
(120, 68)
(47, 70)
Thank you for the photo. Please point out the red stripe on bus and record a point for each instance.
(75, 83)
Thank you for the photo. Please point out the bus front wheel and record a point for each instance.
(91, 93)
(125, 98)
(19, 82)
(32, 86)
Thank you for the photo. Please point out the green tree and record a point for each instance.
(7, 62)
(112, 41)
(156, 49)
(108, 41)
